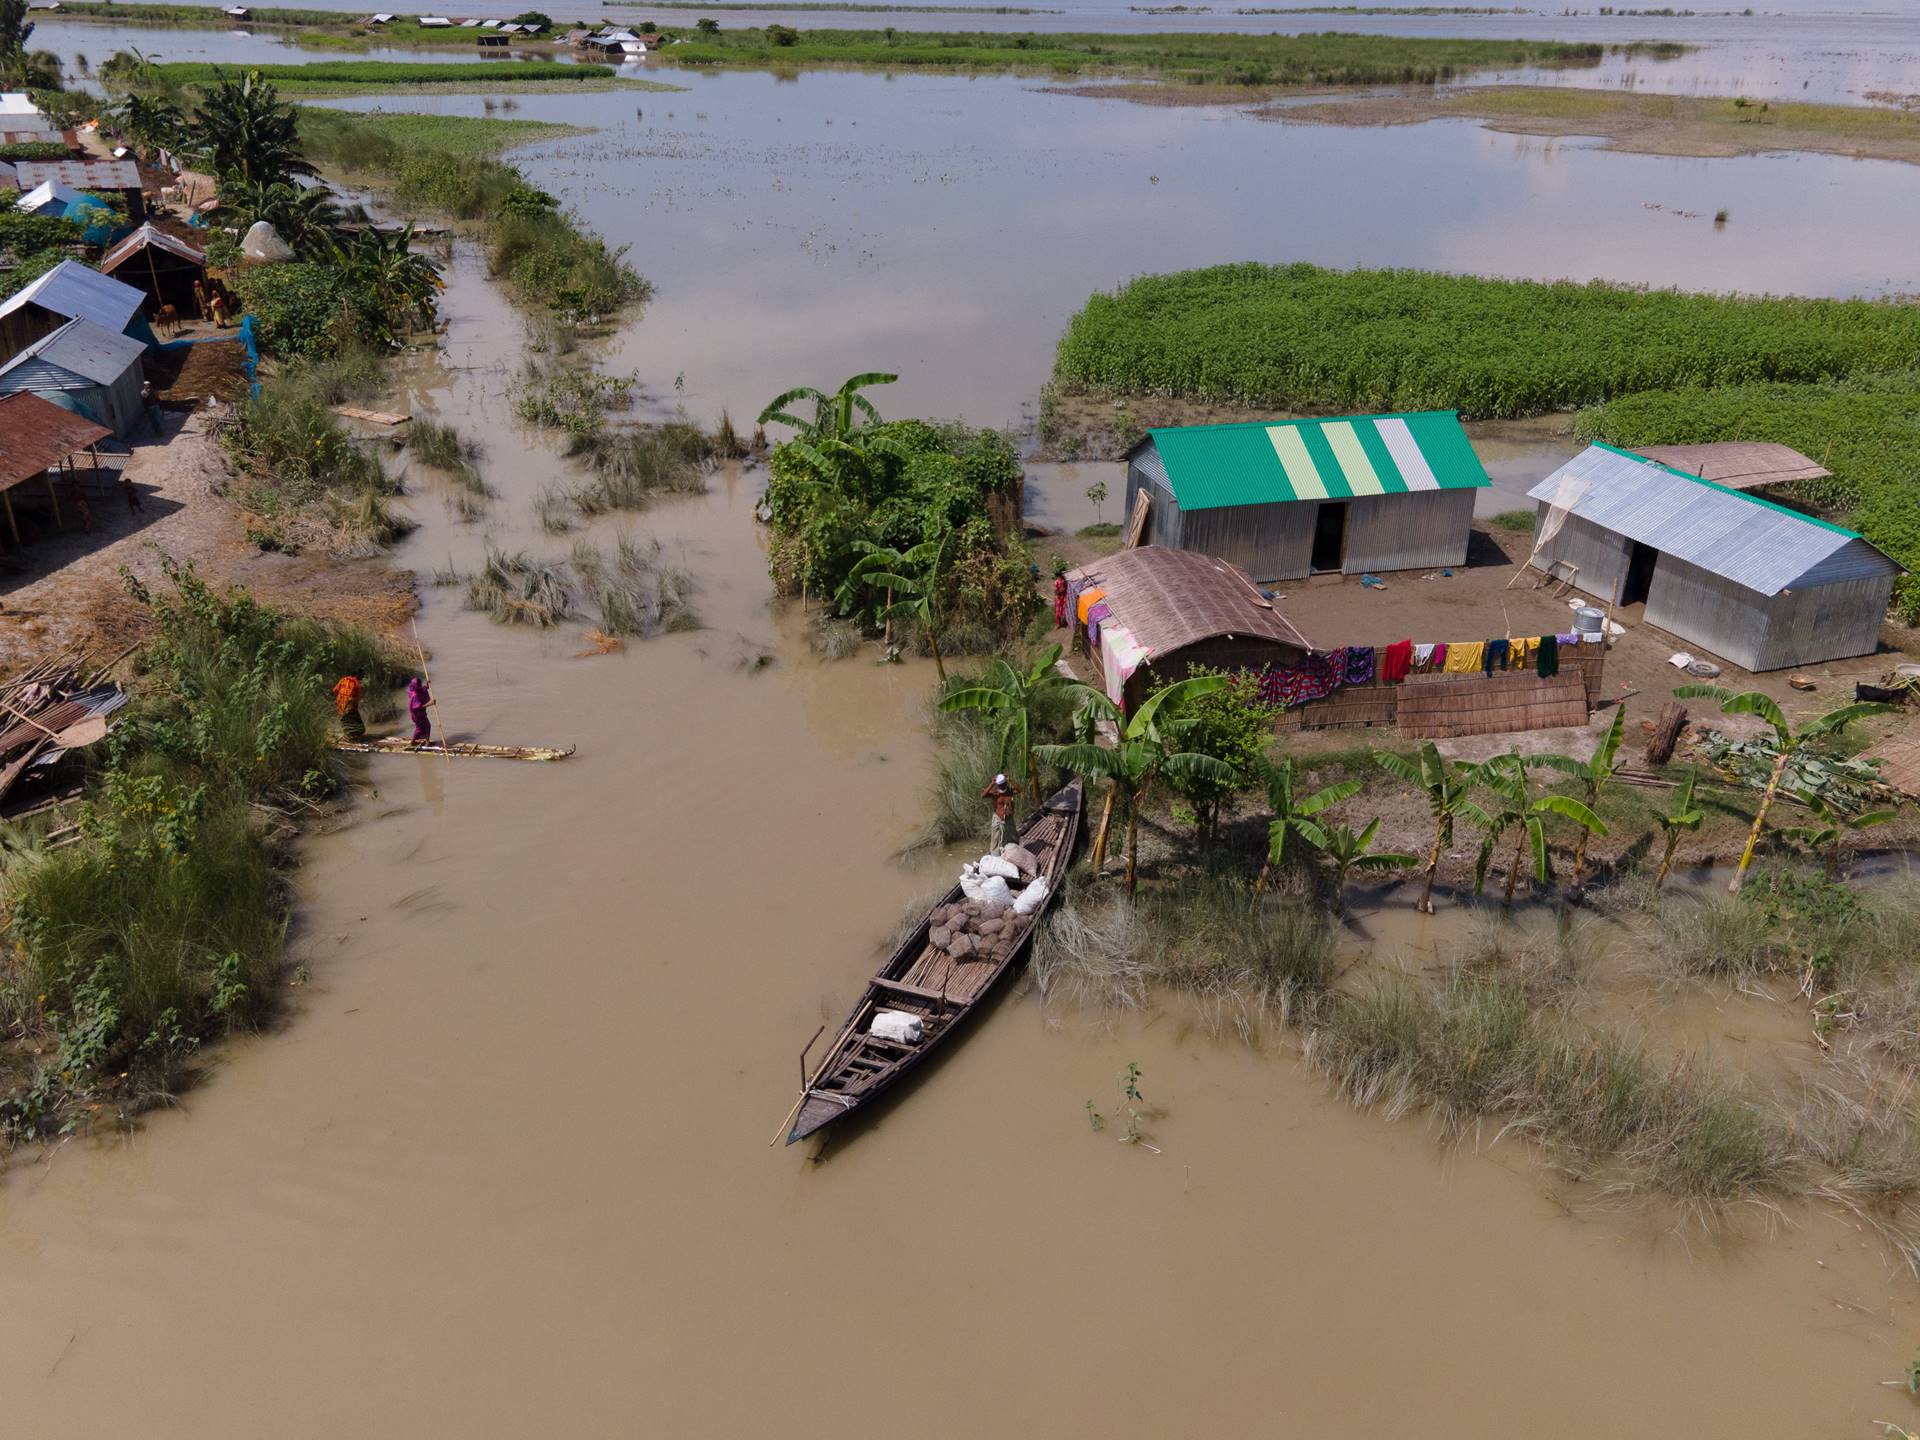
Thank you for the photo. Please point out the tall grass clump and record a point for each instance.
(634, 592)
(444, 448)
(573, 398)
(631, 467)
(163, 925)
(515, 589)
(1305, 338)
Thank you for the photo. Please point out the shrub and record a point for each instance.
(298, 307)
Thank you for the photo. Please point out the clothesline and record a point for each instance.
(1319, 675)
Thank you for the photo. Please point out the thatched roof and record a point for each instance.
(1170, 599)
(1737, 464)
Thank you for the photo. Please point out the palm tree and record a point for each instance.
(393, 286)
(150, 122)
(1008, 695)
(1789, 742)
(1446, 789)
(245, 131)
(915, 581)
(1834, 826)
(1517, 808)
(1148, 749)
(833, 415)
(1594, 776)
(1684, 816)
(1349, 851)
(1294, 815)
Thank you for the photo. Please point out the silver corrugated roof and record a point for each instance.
(1749, 541)
(77, 290)
(84, 349)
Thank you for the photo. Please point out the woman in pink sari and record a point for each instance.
(419, 697)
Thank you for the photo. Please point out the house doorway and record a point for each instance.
(1330, 535)
(1633, 590)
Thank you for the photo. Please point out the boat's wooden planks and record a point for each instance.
(925, 981)
(394, 745)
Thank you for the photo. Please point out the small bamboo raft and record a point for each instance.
(396, 745)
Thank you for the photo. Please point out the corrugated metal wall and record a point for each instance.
(1269, 542)
(1144, 471)
(1600, 555)
(117, 406)
(1416, 531)
(1800, 626)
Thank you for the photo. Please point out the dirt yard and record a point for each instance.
(65, 583)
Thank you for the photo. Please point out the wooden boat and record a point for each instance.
(925, 981)
(398, 745)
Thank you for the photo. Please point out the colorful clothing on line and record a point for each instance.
(1087, 597)
(1312, 679)
(1395, 660)
(1523, 649)
(1095, 614)
(1422, 656)
(1494, 657)
(1439, 657)
(1547, 662)
(1463, 658)
(1358, 669)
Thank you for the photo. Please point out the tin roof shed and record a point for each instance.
(82, 349)
(1259, 463)
(1740, 537)
(81, 174)
(72, 290)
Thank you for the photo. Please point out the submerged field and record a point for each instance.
(328, 78)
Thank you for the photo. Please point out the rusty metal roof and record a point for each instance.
(36, 434)
(1170, 599)
(81, 174)
(1737, 464)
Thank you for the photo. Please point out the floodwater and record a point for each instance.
(505, 1171)
(803, 229)
(505, 1168)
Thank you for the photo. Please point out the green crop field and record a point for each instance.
(1298, 337)
(1866, 430)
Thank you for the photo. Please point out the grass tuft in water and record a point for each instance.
(513, 589)
(448, 451)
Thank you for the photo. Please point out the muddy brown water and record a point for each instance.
(504, 1169)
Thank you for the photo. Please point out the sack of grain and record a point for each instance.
(1031, 898)
(1021, 859)
(994, 865)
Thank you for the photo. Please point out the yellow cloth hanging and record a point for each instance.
(1088, 599)
(1521, 656)
(1465, 658)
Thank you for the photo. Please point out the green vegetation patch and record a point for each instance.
(1299, 337)
(1865, 429)
(350, 77)
(1253, 60)
(328, 134)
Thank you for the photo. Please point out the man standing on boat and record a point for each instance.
(1001, 794)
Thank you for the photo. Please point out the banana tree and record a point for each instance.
(1007, 695)
(1788, 743)
(1594, 775)
(833, 415)
(1350, 851)
(1684, 816)
(1824, 839)
(1516, 808)
(1446, 789)
(913, 591)
(1148, 750)
(1293, 815)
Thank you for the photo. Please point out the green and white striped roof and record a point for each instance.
(1210, 466)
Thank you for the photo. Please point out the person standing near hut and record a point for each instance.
(346, 704)
(1001, 794)
(1059, 599)
(419, 697)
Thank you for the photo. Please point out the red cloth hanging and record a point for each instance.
(1396, 660)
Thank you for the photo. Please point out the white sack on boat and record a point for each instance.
(994, 893)
(897, 1026)
(1031, 898)
(994, 865)
(970, 882)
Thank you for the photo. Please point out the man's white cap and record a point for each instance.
(1000, 779)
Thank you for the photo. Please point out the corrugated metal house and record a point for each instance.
(96, 177)
(69, 291)
(1184, 609)
(97, 370)
(1743, 578)
(1295, 497)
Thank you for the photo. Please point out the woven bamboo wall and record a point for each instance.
(1439, 707)
(1378, 703)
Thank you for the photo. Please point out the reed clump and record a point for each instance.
(634, 592)
(515, 589)
(442, 446)
(631, 467)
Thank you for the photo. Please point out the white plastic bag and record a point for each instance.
(994, 865)
(897, 1026)
(970, 882)
(1031, 898)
